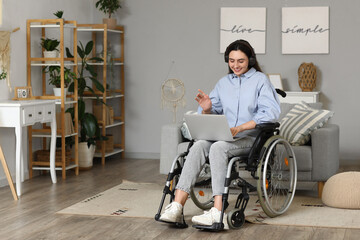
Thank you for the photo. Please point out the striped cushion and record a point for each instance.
(300, 121)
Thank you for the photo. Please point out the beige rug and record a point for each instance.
(142, 200)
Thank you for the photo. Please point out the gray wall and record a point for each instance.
(187, 32)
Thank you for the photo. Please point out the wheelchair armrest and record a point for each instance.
(267, 126)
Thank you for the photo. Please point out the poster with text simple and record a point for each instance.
(243, 23)
(305, 30)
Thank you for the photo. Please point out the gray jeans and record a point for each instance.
(218, 153)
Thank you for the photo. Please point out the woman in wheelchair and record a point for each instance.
(247, 98)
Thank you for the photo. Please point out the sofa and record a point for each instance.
(317, 160)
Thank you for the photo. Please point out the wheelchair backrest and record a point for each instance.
(266, 130)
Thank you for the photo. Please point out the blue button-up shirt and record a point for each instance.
(248, 97)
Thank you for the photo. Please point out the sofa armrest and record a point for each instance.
(325, 152)
(170, 138)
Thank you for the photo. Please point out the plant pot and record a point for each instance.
(86, 155)
(111, 22)
(51, 54)
(57, 92)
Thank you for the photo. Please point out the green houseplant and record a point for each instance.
(55, 78)
(109, 7)
(89, 127)
(50, 48)
(59, 15)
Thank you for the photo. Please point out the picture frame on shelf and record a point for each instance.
(275, 80)
(23, 93)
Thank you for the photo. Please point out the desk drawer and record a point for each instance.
(28, 115)
(49, 112)
(39, 113)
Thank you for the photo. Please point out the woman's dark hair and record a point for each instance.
(246, 48)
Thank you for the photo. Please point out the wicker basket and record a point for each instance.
(109, 144)
(44, 156)
(307, 77)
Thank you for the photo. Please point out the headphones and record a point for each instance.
(241, 45)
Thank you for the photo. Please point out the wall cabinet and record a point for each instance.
(108, 45)
(66, 33)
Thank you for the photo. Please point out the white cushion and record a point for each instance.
(300, 121)
(342, 191)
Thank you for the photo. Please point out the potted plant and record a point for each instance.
(50, 48)
(55, 78)
(59, 15)
(108, 7)
(89, 127)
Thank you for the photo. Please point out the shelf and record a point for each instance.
(116, 151)
(107, 97)
(48, 135)
(56, 168)
(40, 64)
(116, 123)
(51, 26)
(58, 102)
(102, 64)
(98, 30)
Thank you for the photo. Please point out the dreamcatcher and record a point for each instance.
(172, 94)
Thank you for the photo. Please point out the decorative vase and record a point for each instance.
(111, 22)
(86, 155)
(57, 92)
(51, 54)
(307, 77)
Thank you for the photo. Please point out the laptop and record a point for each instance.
(210, 127)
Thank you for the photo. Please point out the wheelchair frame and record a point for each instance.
(258, 162)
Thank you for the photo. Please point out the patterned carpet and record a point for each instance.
(131, 199)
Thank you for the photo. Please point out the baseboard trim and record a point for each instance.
(137, 155)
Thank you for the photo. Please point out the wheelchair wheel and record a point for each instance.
(201, 192)
(277, 176)
(236, 218)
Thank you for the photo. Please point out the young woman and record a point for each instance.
(246, 97)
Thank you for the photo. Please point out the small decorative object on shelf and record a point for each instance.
(108, 7)
(307, 77)
(23, 93)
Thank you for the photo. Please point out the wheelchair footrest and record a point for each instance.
(214, 227)
(176, 224)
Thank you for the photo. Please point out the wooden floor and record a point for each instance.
(34, 215)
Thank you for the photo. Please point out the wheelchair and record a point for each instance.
(271, 162)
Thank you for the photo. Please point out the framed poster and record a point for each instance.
(275, 80)
(243, 23)
(305, 30)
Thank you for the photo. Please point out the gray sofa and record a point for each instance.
(316, 161)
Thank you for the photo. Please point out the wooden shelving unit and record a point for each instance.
(113, 96)
(50, 26)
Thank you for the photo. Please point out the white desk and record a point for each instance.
(297, 97)
(18, 114)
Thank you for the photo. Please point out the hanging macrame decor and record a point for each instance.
(5, 57)
(172, 93)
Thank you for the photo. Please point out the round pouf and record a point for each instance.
(342, 191)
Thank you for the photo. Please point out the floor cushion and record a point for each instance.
(342, 191)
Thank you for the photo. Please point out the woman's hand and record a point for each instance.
(235, 130)
(245, 126)
(204, 101)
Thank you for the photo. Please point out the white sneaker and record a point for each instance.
(173, 213)
(210, 217)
